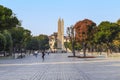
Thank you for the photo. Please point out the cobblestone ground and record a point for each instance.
(59, 67)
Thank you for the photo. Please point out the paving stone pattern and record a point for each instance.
(59, 67)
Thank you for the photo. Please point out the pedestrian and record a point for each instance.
(43, 55)
(36, 53)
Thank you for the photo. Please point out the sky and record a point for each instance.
(41, 16)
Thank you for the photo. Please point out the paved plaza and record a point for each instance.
(59, 67)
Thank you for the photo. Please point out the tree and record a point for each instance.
(17, 36)
(9, 42)
(107, 32)
(40, 42)
(26, 38)
(20, 37)
(33, 44)
(70, 32)
(43, 42)
(66, 45)
(116, 44)
(2, 42)
(116, 41)
(7, 18)
(78, 46)
(84, 32)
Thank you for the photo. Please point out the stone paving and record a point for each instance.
(59, 67)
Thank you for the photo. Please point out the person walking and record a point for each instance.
(36, 54)
(43, 55)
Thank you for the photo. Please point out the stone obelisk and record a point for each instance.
(60, 37)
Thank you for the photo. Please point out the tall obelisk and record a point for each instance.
(60, 37)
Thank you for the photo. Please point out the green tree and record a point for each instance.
(78, 46)
(20, 37)
(7, 18)
(2, 42)
(33, 44)
(107, 32)
(116, 41)
(17, 36)
(43, 42)
(66, 45)
(26, 38)
(9, 42)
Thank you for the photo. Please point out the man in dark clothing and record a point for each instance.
(43, 54)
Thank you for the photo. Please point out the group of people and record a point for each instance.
(43, 54)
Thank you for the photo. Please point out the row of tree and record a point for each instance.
(85, 35)
(89, 36)
(40, 43)
(14, 38)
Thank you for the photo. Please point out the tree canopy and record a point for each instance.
(84, 31)
(40, 42)
(43, 42)
(7, 18)
(9, 42)
(107, 32)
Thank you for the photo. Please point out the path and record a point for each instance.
(59, 67)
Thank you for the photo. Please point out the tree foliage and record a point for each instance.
(9, 42)
(7, 18)
(40, 42)
(106, 33)
(11, 34)
(43, 42)
(20, 36)
(84, 31)
(2, 42)
(33, 44)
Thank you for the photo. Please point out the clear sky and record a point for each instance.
(41, 16)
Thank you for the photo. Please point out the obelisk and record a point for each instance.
(60, 37)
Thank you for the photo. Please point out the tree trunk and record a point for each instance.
(109, 50)
(73, 49)
(84, 49)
